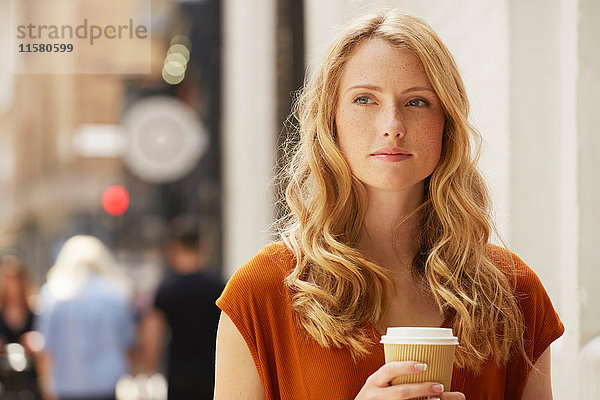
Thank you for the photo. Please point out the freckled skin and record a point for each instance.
(413, 120)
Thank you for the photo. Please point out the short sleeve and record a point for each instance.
(541, 322)
(239, 301)
(250, 296)
(256, 302)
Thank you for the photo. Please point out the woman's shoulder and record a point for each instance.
(275, 253)
(521, 275)
(506, 260)
(273, 259)
(256, 296)
(265, 271)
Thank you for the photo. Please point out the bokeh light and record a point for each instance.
(177, 58)
(115, 200)
(180, 49)
(142, 387)
(174, 68)
(178, 55)
(172, 79)
(16, 357)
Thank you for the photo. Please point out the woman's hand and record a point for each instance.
(378, 386)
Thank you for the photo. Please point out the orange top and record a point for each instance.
(292, 365)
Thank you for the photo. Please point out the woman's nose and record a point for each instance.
(393, 123)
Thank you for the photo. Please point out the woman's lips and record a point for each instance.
(391, 154)
(391, 157)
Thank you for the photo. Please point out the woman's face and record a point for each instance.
(389, 120)
(12, 286)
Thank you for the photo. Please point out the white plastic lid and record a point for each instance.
(419, 335)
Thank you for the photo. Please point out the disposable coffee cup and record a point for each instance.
(432, 346)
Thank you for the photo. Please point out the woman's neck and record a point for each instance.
(389, 238)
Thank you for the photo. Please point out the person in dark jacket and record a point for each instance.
(185, 304)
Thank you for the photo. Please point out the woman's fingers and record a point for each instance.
(383, 377)
(379, 385)
(452, 396)
(412, 390)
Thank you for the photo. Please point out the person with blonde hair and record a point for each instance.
(388, 225)
(87, 320)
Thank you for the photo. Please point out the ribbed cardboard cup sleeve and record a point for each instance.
(439, 360)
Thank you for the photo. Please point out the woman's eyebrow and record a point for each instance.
(418, 89)
(365, 86)
(379, 89)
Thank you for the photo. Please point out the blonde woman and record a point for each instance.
(86, 318)
(388, 225)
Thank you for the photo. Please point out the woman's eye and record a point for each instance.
(416, 103)
(362, 100)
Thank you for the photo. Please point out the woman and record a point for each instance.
(16, 327)
(86, 318)
(16, 318)
(388, 225)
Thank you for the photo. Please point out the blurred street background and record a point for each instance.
(118, 156)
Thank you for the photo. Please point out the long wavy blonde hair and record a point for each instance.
(337, 292)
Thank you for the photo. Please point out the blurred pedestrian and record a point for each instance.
(16, 332)
(87, 320)
(185, 303)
